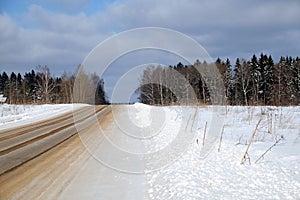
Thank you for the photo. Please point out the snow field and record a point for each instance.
(221, 176)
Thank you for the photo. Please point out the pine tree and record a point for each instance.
(279, 82)
(289, 89)
(237, 83)
(228, 82)
(4, 84)
(296, 79)
(18, 89)
(100, 97)
(30, 87)
(255, 72)
(12, 88)
(270, 81)
(266, 66)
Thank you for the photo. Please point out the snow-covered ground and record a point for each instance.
(15, 115)
(221, 175)
(143, 153)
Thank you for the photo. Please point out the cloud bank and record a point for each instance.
(61, 33)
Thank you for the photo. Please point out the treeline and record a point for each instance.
(37, 87)
(258, 81)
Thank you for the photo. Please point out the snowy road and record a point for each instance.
(50, 152)
(18, 145)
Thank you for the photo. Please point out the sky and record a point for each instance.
(61, 33)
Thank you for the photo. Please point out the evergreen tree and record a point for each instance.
(279, 82)
(296, 79)
(237, 83)
(266, 67)
(255, 72)
(289, 89)
(100, 97)
(4, 84)
(228, 82)
(18, 89)
(30, 87)
(12, 88)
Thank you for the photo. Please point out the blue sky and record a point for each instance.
(19, 7)
(61, 33)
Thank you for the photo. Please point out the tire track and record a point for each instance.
(5, 149)
(29, 149)
(11, 132)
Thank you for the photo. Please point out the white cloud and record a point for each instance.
(195, 14)
(224, 28)
(64, 23)
(9, 29)
(57, 40)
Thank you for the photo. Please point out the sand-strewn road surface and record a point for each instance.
(38, 160)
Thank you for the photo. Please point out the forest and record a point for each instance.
(258, 81)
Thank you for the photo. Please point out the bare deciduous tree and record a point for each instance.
(45, 82)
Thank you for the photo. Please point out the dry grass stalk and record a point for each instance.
(250, 142)
(194, 117)
(269, 149)
(221, 137)
(204, 134)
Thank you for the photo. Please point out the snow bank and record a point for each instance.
(15, 115)
(141, 115)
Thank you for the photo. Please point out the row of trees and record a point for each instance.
(258, 81)
(42, 87)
